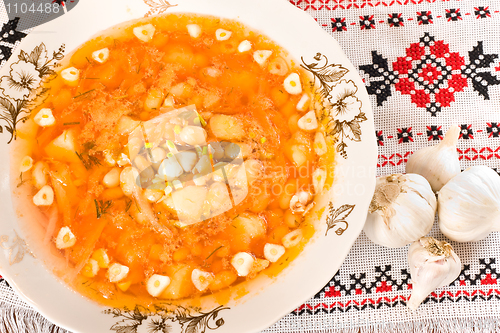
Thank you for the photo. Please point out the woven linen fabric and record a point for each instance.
(428, 65)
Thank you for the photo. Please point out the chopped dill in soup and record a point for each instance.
(176, 158)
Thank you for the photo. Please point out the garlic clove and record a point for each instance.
(201, 279)
(261, 56)
(70, 76)
(101, 56)
(117, 272)
(438, 164)
(273, 252)
(292, 84)
(44, 118)
(292, 239)
(242, 262)
(469, 205)
(26, 164)
(320, 146)
(299, 201)
(308, 122)
(123, 160)
(303, 103)
(244, 46)
(433, 264)
(318, 180)
(402, 210)
(222, 34)
(157, 284)
(44, 197)
(145, 32)
(194, 30)
(258, 266)
(65, 238)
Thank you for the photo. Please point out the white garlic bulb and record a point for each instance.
(433, 264)
(438, 164)
(402, 210)
(469, 205)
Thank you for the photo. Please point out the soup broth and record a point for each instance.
(177, 157)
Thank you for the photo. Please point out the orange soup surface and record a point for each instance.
(176, 158)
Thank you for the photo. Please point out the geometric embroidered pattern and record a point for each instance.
(10, 36)
(435, 133)
(347, 4)
(430, 74)
(469, 154)
(372, 291)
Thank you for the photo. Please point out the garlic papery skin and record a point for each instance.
(433, 264)
(469, 205)
(438, 164)
(402, 210)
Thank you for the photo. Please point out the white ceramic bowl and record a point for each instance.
(268, 299)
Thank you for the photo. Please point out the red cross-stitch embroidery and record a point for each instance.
(347, 4)
(430, 74)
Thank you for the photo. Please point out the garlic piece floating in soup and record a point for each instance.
(261, 56)
(194, 30)
(320, 147)
(292, 84)
(299, 202)
(303, 103)
(101, 56)
(70, 76)
(44, 197)
(117, 272)
(222, 34)
(273, 252)
(65, 238)
(244, 46)
(26, 164)
(44, 118)
(201, 279)
(145, 32)
(308, 122)
(242, 262)
(157, 284)
(292, 239)
(318, 179)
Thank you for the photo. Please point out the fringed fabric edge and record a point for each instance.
(19, 320)
(441, 325)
